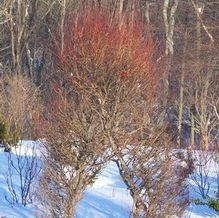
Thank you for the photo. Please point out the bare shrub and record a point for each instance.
(202, 165)
(217, 171)
(19, 105)
(100, 68)
(155, 177)
(76, 152)
(24, 167)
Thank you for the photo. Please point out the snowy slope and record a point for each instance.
(107, 198)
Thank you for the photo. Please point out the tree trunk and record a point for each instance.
(63, 14)
(135, 209)
(181, 95)
(169, 22)
(70, 209)
(192, 132)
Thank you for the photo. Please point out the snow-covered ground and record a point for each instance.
(107, 198)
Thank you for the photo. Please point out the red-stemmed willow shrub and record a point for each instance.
(98, 51)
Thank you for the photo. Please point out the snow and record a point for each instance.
(107, 198)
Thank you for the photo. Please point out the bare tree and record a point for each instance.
(192, 62)
(169, 13)
(202, 101)
(20, 22)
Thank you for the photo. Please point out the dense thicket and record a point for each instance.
(185, 31)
